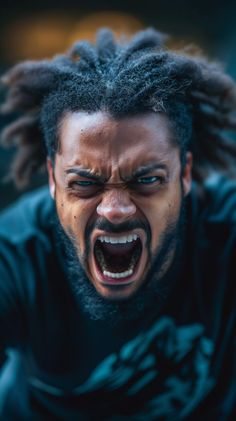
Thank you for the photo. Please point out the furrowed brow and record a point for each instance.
(148, 168)
(84, 173)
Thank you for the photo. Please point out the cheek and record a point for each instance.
(74, 216)
(160, 211)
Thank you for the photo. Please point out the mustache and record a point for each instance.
(105, 225)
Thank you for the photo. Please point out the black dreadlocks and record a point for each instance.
(122, 79)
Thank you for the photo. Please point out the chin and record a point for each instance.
(116, 293)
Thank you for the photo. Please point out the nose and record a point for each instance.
(116, 206)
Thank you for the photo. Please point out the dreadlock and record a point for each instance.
(122, 79)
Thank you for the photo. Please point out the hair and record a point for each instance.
(122, 79)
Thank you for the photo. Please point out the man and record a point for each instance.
(117, 289)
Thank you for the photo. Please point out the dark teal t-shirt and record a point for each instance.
(60, 365)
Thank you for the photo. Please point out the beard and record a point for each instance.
(152, 294)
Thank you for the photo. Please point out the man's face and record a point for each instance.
(118, 189)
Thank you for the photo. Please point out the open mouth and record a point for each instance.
(117, 257)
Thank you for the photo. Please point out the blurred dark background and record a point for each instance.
(35, 30)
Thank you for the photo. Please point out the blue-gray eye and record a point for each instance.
(148, 180)
(85, 188)
(85, 183)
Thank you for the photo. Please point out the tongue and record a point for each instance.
(118, 249)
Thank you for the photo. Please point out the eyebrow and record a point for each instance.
(84, 173)
(148, 168)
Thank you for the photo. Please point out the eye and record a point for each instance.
(148, 185)
(84, 188)
(149, 180)
(85, 183)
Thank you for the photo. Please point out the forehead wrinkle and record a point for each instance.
(140, 162)
(91, 162)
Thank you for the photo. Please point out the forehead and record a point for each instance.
(86, 138)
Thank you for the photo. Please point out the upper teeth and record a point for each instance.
(115, 240)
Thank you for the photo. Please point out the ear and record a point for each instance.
(187, 173)
(51, 179)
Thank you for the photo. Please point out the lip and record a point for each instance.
(104, 280)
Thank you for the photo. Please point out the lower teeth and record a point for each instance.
(118, 275)
(115, 275)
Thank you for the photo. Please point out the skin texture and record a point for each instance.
(113, 150)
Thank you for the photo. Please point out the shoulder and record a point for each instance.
(221, 199)
(215, 202)
(25, 243)
(212, 244)
(212, 235)
(30, 214)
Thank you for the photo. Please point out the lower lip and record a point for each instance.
(106, 280)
